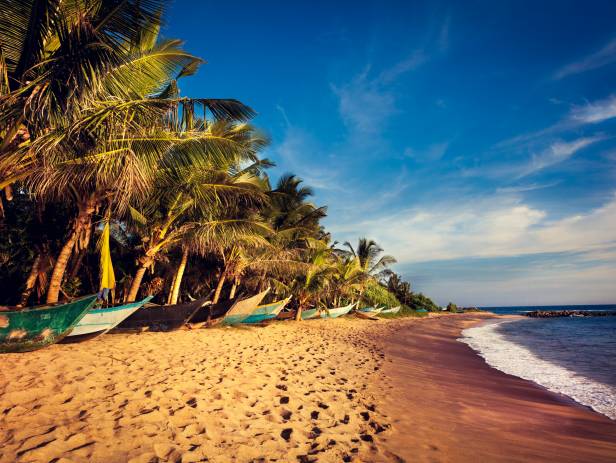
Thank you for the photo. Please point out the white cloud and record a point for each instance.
(595, 112)
(410, 63)
(433, 152)
(491, 227)
(537, 285)
(364, 105)
(525, 188)
(600, 58)
(296, 152)
(555, 153)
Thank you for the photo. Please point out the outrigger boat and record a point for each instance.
(266, 311)
(325, 313)
(23, 330)
(103, 319)
(155, 317)
(241, 310)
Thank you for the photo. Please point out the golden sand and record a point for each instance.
(286, 392)
(324, 390)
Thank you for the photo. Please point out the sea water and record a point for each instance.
(575, 356)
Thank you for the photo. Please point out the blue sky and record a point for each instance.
(476, 143)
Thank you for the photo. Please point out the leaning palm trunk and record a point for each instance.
(236, 283)
(221, 283)
(31, 281)
(136, 283)
(81, 234)
(178, 278)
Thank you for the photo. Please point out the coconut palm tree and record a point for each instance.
(100, 110)
(368, 252)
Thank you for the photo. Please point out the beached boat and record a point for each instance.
(325, 313)
(391, 310)
(23, 330)
(211, 313)
(162, 317)
(266, 311)
(371, 310)
(100, 320)
(241, 310)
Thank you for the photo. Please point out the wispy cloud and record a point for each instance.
(600, 58)
(432, 153)
(367, 103)
(410, 63)
(443, 37)
(296, 153)
(555, 153)
(595, 112)
(525, 188)
(496, 226)
(364, 104)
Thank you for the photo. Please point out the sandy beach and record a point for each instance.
(339, 390)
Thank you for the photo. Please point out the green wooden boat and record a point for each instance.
(36, 327)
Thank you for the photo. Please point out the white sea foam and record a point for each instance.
(517, 360)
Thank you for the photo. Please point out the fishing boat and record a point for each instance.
(325, 313)
(23, 330)
(368, 313)
(102, 319)
(266, 311)
(391, 310)
(210, 314)
(155, 317)
(241, 310)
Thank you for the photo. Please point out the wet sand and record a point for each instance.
(450, 406)
(324, 390)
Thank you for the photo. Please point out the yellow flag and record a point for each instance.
(107, 275)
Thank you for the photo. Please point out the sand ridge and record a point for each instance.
(287, 392)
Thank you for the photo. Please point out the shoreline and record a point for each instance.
(470, 411)
(324, 390)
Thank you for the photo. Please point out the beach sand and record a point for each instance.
(324, 390)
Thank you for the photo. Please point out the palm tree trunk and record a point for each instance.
(136, 283)
(83, 221)
(221, 283)
(25, 295)
(236, 283)
(298, 315)
(178, 278)
(60, 267)
(171, 288)
(77, 264)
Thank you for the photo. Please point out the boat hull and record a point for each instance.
(162, 317)
(332, 313)
(265, 312)
(100, 320)
(243, 309)
(393, 310)
(32, 329)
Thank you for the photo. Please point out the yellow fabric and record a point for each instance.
(107, 275)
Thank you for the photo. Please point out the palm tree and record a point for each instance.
(100, 109)
(191, 207)
(369, 254)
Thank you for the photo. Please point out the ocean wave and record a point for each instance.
(517, 360)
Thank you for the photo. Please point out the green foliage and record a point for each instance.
(451, 307)
(376, 294)
(418, 301)
(92, 123)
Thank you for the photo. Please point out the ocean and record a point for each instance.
(574, 356)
